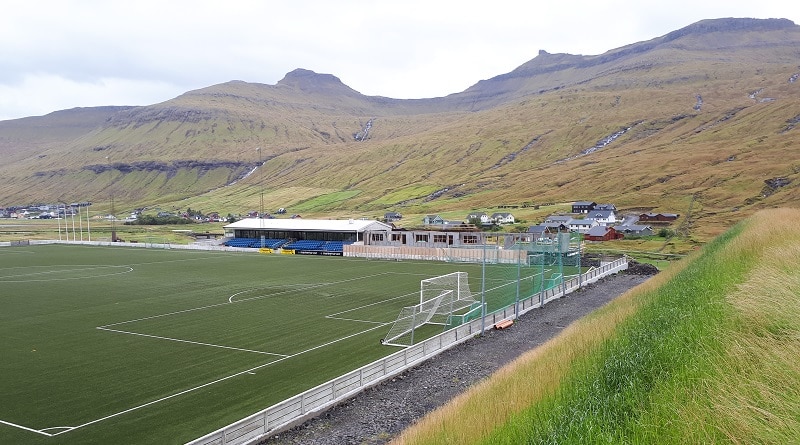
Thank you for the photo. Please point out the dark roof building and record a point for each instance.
(658, 217)
(635, 229)
(583, 206)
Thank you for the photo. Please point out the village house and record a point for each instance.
(583, 206)
(603, 217)
(481, 217)
(545, 231)
(603, 233)
(582, 225)
(431, 220)
(635, 230)
(502, 218)
(558, 219)
(605, 207)
(392, 216)
(658, 217)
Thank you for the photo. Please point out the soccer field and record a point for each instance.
(132, 345)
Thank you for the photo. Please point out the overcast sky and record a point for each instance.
(60, 54)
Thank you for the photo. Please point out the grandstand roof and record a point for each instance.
(310, 225)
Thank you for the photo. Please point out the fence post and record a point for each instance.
(519, 276)
(483, 289)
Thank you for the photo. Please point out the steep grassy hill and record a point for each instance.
(699, 122)
(704, 353)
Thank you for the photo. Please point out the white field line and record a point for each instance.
(190, 342)
(107, 327)
(130, 269)
(354, 320)
(334, 316)
(183, 311)
(245, 372)
(186, 391)
(67, 428)
(3, 279)
(297, 287)
(14, 252)
(26, 428)
(307, 286)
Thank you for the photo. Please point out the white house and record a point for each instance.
(582, 225)
(603, 217)
(480, 216)
(503, 218)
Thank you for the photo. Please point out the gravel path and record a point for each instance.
(379, 413)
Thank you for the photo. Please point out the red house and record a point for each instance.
(603, 233)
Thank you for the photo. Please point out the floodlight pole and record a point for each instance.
(80, 221)
(72, 212)
(483, 287)
(66, 223)
(261, 184)
(88, 229)
(261, 180)
(58, 217)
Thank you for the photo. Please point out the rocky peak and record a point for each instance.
(309, 81)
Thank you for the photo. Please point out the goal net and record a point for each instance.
(440, 298)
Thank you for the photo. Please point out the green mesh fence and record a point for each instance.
(514, 268)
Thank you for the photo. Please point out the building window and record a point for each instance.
(470, 239)
(377, 237)
(439, 238)
(397, 237)
(421, 238)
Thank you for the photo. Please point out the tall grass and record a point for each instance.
(706, 354)
(754, 395)
(532, 377)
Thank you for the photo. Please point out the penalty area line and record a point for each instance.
(27, 429)
(354, 320)
(250, 371)
(189, 341)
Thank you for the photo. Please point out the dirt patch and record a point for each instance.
(378, 414)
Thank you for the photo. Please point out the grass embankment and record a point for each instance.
(703, 353)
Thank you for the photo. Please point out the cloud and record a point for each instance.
(57, 54)
(39, 94)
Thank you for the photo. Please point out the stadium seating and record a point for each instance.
(270, 243)
(275, 243)
(304, 245)
(335, 246)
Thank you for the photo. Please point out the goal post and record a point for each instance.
(457, 282)
(441, 298)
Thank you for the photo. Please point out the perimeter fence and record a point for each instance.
(309, 404)
(513, 281)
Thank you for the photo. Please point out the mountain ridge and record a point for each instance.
(703, 94)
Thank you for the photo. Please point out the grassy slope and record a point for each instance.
(506, 153)
(704, 353)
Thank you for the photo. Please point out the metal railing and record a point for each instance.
(310, 403)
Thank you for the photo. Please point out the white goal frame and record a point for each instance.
(440, 297)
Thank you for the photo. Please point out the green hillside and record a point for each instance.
(704, 115)
(704, 353)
